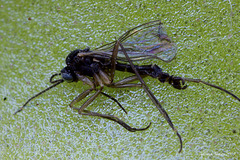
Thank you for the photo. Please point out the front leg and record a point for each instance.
(80, 97)
(82, 110)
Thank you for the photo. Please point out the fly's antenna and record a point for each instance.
(51, 78)
(212, 85)
(56, 82)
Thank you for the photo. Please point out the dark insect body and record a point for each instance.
(97, 68)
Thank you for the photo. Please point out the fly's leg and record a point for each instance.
(86, 80)
(85, 93)
(114, 101)
(126, 85)
(179, 83)
(126, 82)
(121, 83)
(80, 97)
(104, 78)
(115, 119)
(113, 61)
(82, 110)
(212, 85)
(151, 96)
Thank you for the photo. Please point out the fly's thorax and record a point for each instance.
(73, 54)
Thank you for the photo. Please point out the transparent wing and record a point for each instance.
(145, 41)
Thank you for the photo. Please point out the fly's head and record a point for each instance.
(68, 74)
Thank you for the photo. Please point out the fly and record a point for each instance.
(97, 67)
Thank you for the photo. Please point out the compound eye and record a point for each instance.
(66, 75)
